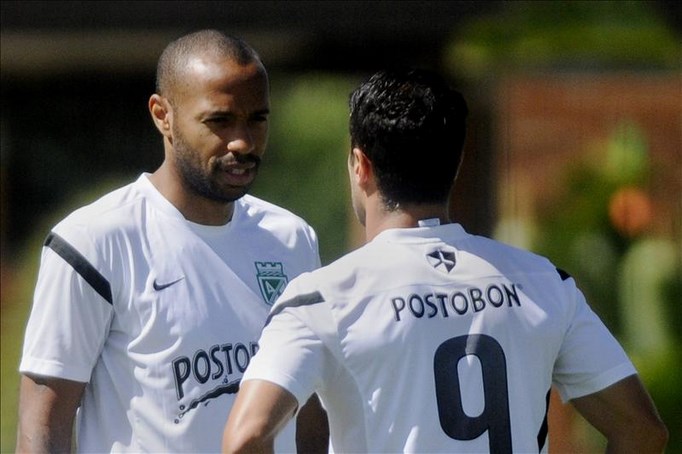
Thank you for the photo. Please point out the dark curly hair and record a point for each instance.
(411, 125)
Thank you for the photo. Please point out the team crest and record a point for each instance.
(271, 280)
(442, 260)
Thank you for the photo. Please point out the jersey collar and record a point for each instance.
(445, 232)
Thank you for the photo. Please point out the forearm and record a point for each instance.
(40, 438)
(248, 443)
(244, 434)
(652, 440)
(259, 413)
(47, 408)
(626, 415)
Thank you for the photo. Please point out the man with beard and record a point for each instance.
(150, 301)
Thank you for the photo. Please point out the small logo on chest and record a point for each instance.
(271, 280)
(162, 285)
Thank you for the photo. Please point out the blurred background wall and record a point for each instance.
(574, 146)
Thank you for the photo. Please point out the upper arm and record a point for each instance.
(590, 358)
(292, 361)
(626, 415)
(70, 319)
(260, 411)
(47, 407)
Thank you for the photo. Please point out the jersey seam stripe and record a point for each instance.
(80, 264)
(307, 299)
(544, 428)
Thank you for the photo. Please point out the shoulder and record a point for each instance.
(272, 217)
(117, 211)
(541, 280)
(258, 207)
(338, 277)
(108, 205)
(510, 258)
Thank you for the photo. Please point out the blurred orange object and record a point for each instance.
(630, 211)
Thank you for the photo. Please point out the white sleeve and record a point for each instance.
(69, 320)
(290, 354)
(315, 246)
(590, 358)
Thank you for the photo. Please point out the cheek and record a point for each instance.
(260, 136)
(206, 142)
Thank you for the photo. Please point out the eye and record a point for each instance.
(217, 120)
(259, 118)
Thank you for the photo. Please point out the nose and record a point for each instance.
(241, 140)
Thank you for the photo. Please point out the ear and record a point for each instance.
(361, 167)
(162, 114)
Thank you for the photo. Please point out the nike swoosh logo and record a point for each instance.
(158, 286)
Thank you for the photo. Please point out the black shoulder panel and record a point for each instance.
(300, 300)
(80, 264)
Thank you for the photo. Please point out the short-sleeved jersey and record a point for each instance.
(158, 315)
(434, 340)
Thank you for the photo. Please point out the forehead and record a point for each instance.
(218, 81)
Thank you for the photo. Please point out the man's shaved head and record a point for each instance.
(211, 43)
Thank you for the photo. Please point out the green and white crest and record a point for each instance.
(271, 280)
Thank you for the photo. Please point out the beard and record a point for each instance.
(204, 182)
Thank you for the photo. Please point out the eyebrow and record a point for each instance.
(229, 112)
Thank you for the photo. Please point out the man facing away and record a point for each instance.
(150, 301)
(429, 339)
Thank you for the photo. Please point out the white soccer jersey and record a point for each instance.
(159, 315)
(434, 340)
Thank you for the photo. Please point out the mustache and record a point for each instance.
(238, 158)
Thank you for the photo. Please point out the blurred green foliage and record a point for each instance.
(565, 34)
(630, 276)
(575, 229)
(304, 168)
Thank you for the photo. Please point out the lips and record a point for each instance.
(239, 174)
(239, 170)
(236, 171)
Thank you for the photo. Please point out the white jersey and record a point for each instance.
(160, 316)
(434, 340)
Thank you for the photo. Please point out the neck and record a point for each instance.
(407, 216)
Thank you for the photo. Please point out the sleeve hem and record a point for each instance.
(54, 369)
(285, 382)
(596, 384)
